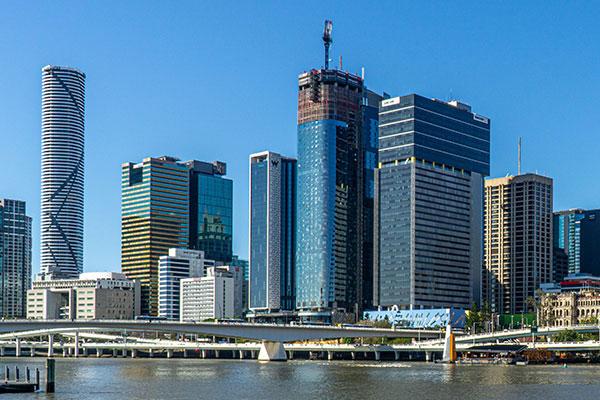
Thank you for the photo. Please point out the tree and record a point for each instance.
(568, 335)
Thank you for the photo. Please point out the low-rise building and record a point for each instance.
(178, 264)
(207, 297)
(569, 308)
(94, 295)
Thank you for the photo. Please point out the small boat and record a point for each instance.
(17, 387)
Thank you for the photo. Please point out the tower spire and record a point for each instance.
(327, 40)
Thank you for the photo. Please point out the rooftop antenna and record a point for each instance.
(327, 40)
(341, 65)
(519, 162)
(362, 73)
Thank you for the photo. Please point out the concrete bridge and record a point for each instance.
(272, 336)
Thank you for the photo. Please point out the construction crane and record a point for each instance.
(327, 40)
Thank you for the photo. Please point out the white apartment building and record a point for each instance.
(94, 295)
(178, 264)
(207, 297)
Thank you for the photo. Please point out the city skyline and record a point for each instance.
(107, 147)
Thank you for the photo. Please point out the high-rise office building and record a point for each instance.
(518, 241)
(272, 232)
(433, 156)
(15, 258)
(211, 210)
(154, 218)
(63, 99)
(577, 234)
(178, 264)
(333, 154)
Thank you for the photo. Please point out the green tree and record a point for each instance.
(568, 335)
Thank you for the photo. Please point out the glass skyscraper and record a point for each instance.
(211, 210)
(272, 232)
(15, 258)
(433, 156)
(154, 218)
(336, 156)
(63, 101)
(577, 234)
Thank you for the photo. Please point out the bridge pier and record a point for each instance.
(84, 350)
(64, 352)
(115, 353)
(353, 355)
(185, 353)
(377, 356)
(32, 350)
(98, 353)
(217, 353)
(291, 355)
(133, 353)
(252, 353)
(150, 353)
(428, 355)
(2, 351)
(169, 353)
(76, 344)
(330, 355)
(396, 355)
(203, 353)
(50, 345)
(272, 351)
(18, 347)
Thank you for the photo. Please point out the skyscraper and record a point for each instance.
(154, 218)
(211, 210)
(331, 190)
(15, 258)
(272, 232)
(518, 241)
(577, 234)
(63, 99)
(433, 156)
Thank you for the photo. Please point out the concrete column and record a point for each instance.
(396, 355)
(32, 351)
(133, 353)
(77, 344)
(124, 353)
(150, 353)
(50, 345)
(18, 347)
(291, 355)
(330, 355)
(241, 354)
(428, 355)
(252, 353)
(410, 356)
(353, 355)
(2, 351)
(185, 353)
(169, 353)
(84, 350)
(98, 353)
(217, 353)
(203, 353)
(272, 351)
(377, 356)
(366, 355)
(64, 351)
(115, 353)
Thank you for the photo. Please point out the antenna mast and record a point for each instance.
(327, 40)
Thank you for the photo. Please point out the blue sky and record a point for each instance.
(217, 81)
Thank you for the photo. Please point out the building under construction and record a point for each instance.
(337, 153)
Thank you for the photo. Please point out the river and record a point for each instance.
(173, 379)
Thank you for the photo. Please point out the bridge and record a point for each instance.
(272, 336)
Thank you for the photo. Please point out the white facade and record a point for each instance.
(63, 98)
(178, 264)
(237, 274)
(208, 297)
(95, 295)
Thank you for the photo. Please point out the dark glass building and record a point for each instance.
(433, 156)
(211, 210)
(272, 232)
(577, 234)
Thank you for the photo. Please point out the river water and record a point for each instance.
(146, 379)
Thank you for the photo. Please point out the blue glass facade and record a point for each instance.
(429, 203)
(315, 260)
(577, 233)
(272, 232)
(211, 210)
